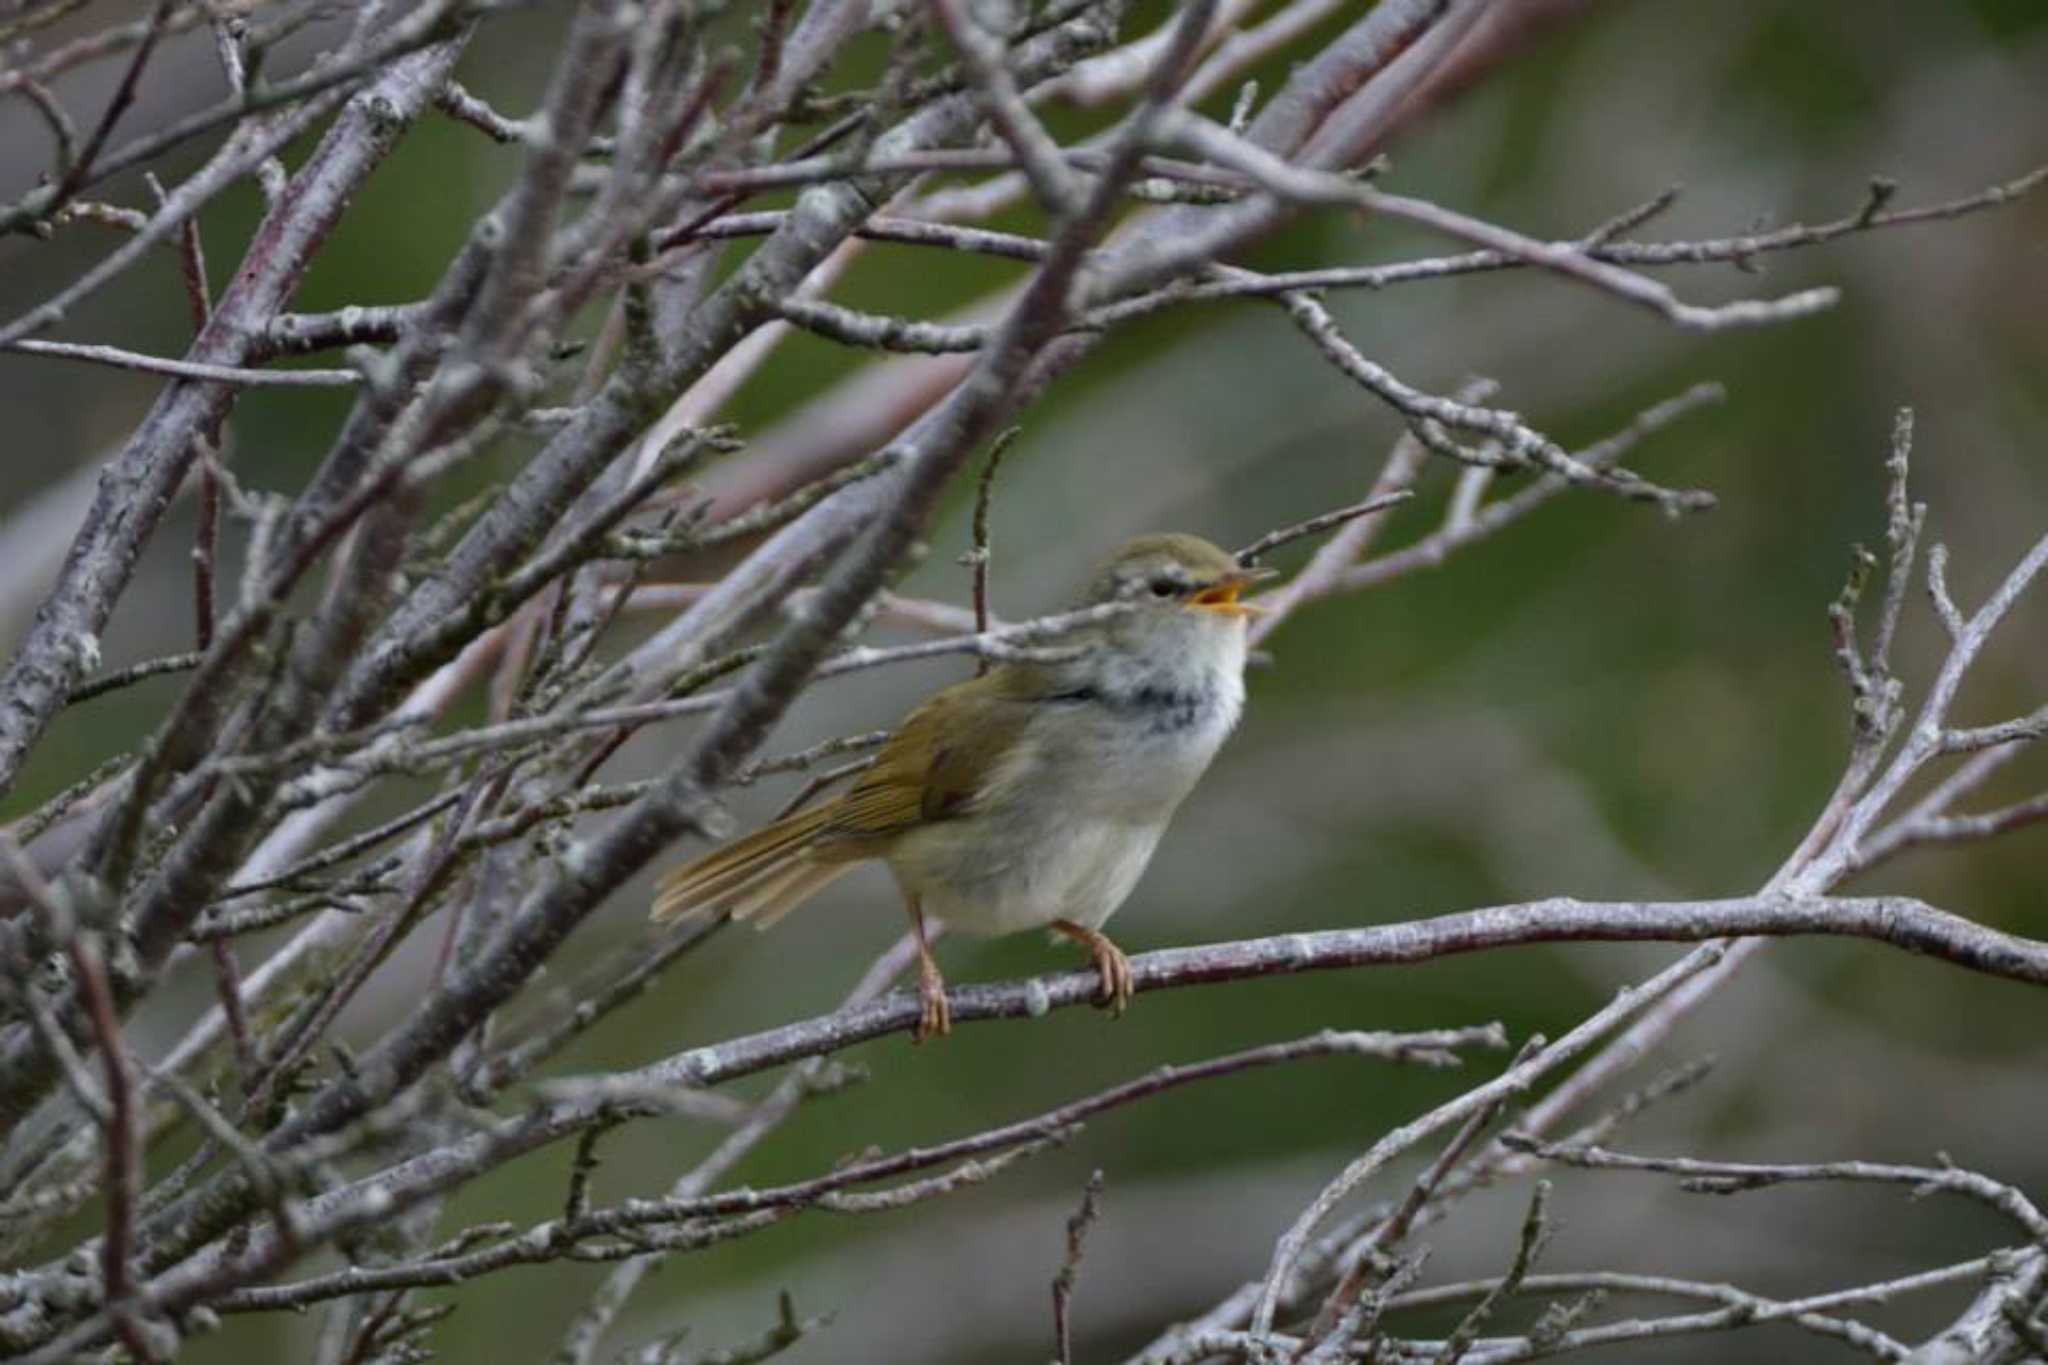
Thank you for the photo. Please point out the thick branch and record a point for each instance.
(1900, 921)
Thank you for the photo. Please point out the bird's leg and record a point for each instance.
(1110, 962)
(935, 1015)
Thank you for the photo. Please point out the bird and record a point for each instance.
(1032, 796)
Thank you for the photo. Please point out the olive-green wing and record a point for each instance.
(931, 769)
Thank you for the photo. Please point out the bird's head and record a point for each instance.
(1173, 572)
(1186, 598)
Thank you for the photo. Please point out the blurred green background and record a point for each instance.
(1600, 703)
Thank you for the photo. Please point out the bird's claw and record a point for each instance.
(935, 1015)
(1115, 969)
(1118, 985)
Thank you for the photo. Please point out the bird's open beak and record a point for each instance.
(1221, 596)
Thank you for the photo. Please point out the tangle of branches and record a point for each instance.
(625, 282)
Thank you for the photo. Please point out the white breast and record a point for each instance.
(1065, 828)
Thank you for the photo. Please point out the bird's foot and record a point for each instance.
(1111, 964)
(935, 1016)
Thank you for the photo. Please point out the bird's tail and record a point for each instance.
(761, 877)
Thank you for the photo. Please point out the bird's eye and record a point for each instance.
(1164, 587)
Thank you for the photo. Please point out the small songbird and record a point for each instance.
(1029, 797)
